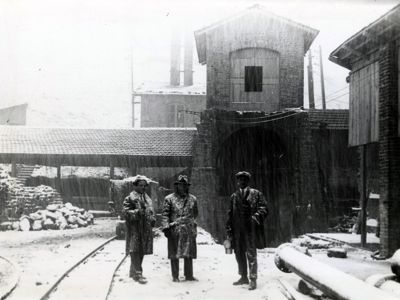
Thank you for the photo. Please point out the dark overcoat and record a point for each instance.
(139, 217)
(178, 222)
(246, 217)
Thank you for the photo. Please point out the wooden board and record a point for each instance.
(364, 106)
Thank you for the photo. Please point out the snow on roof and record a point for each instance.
(165, 88)
(73, 141)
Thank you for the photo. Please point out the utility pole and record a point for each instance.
(363, 194)
(310, 82)
(322, 79)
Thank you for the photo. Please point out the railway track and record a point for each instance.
(92, 276)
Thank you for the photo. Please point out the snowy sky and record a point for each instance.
(72, 58)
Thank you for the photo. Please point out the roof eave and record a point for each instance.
(335, 56)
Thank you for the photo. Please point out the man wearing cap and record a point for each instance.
(245, 227)
(139, 216)
(179, 226)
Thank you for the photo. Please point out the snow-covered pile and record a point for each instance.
(343, 223)
(83, 172)
(204, 237)
(305, 241)
(53, 217)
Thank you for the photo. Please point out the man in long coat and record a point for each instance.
(179, 226)
(245, 227)
(139, 217)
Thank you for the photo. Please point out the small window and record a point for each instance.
(253, 78)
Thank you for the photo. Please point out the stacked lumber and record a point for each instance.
(54, 216)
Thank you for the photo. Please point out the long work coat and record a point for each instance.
(139, 217)
(246, 218)
(179, 216)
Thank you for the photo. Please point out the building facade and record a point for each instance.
(255, 65)
(13, 115)
(373, 57)
(258, 66)
(170, 106)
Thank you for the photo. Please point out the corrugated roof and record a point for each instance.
(333, 118)
(166, 142)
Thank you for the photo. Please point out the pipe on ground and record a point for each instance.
(331, 281)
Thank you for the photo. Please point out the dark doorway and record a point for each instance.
(263, 153)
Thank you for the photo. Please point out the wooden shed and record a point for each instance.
(372, 55)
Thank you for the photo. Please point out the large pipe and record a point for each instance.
(332, 282)
(386, 282)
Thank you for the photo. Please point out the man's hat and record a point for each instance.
(137, 178)
(182, 179)
(243, 174)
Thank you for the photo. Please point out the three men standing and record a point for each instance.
(139, 216)
(179, 226)
(245, 227)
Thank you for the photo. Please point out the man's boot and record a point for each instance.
(242, 280)
(253, 284)
(140, 279)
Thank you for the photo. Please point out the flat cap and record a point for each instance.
(243, 174)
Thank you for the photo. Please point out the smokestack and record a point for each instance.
(175, 58)
(188, 60)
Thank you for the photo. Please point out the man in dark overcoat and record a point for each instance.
(245, 228)
(139, 217)
(179, 226)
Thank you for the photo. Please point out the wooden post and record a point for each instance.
(134, 169)
(310, 82)
(112, 170)
(322, 79)
(363, 194)
(13, 168)
(58, 180)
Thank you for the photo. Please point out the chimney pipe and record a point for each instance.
(175, 58)
(188, 60)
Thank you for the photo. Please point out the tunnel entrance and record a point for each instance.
(264, 154)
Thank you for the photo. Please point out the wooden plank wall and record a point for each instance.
(398, 86)
(364, 105)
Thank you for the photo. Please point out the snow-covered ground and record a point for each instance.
(44, 255)
(215, 270)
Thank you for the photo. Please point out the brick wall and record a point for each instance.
(389, 151)
(288, 197)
